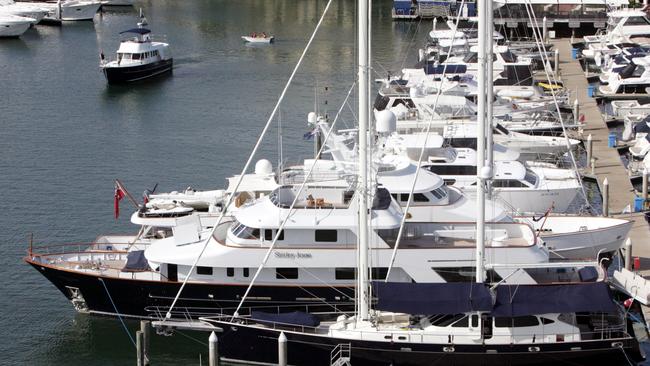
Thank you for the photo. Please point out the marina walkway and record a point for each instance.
(608, 163)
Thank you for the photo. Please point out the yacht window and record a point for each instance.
(379, 273)
(326, 235)
(439, 193)
(474, 320)
(155, 53)
(345, 273)
(453, 169)
(245, 272)
(508, 183)
(445, 320)
(638, 71)
(530, 177)
(470, 58)
(230, 272)
(245, 232)
(394, 195)
(207, 271)
(419, 197)
(381, 102)
(269, 235)
(407, 102)
(517, 321)
(286, 273)
(462, 323)
(501, 129)
(509, 57)
(636, 21)
(546, 320)
(135, 56)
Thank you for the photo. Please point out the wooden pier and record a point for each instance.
(608, 163)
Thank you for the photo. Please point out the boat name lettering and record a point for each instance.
(298, 255)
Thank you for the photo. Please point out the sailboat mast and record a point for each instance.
(490, 89)
(480, 146)
(362, 270)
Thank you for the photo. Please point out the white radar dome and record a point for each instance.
(312, 118)
(263, 167)
(386, 122)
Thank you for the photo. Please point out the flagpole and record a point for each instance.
(120, 186)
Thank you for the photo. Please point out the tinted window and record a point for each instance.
(326, 235)
(230, 272)
(204, 271)
(379, 273)
(136, 56)
(445, 320)
(419, 197)
(452, 169)
(286, 273)
(518, 321)
(345, 273)
(246, 272)
(508, 183)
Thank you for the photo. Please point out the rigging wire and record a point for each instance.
(250, 158)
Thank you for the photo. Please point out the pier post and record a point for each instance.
(544, 30)
(213, 344)
(146, 338)
(138, 346)
(573, 35)
(628, 254)
(593, 166)
(590, 149)
(435, 23)
(556, 66)
(605, 197)
(576, 110)
(282, 350)
(644, 187)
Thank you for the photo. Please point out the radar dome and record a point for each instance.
(386, 122)
(312, 118)
(263, 167)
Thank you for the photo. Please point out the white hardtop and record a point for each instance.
(626, 13)
(131, 46)
(335, 211)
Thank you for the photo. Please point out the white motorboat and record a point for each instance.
(71, 10)
(580, 236)
(27, 10)
(139, 57)
(258, 38)
(13, 25)
(632, 81)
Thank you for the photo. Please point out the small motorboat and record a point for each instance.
(258, 38)
(13, 25)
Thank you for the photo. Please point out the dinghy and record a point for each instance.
(258, 38)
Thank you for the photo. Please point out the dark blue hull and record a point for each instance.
(246, 343)
(150, 299)
(122, 75)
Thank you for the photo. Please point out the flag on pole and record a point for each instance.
(119, 194)
(310, 134)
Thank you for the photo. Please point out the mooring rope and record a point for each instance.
(118, 313)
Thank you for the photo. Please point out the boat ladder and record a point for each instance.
(340, 355)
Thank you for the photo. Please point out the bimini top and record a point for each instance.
(137, 31)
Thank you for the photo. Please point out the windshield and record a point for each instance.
(439, 193)
(530, 177)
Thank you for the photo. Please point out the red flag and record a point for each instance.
(119, 194)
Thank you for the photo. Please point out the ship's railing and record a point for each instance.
(190, 313)
(74, 248)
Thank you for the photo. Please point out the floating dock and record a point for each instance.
(608, 163)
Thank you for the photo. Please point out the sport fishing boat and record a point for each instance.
(138, 58)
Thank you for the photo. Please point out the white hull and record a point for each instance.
(80, 11)
(14, 28)
(575, 237)
(533, 200)
(117, 2)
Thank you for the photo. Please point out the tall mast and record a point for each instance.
(480, 146)
(490, 91)
(362, 270)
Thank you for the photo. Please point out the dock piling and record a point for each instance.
(138, 346)
(644, 187)
(628, 254)
(145, 328)
(590, 150)
(556, 65)
(544, 30)
(576, 110)
(213, 344)
(435, 23)
(282, 350)
(605, 197)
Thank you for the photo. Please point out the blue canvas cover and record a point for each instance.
(520, 300)
(136, 262)
(293, 318)
(432, 298)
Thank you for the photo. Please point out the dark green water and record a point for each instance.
(65, 135)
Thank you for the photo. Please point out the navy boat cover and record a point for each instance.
(520, 300)
(293, 318)
(430, 68)
(432, 298)
(137, 31)
(136, 262)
